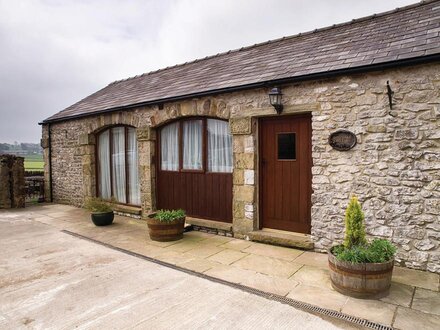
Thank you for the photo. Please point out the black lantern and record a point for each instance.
(275, 96)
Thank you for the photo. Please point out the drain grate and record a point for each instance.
(271, 296)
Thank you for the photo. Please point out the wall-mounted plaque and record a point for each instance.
(342, 140)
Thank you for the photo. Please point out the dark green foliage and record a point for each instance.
(98, 205)
(379, 250)
(356, 248)
(169, 215)
(354, 224)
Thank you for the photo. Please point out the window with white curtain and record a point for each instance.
(118, 165)
(219, 146)
(192, 145)
(169, 147)
(182, 146)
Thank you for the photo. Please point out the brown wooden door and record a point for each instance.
(285, 175)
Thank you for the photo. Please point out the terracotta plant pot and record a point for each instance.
(166, 231)
(360, 280)
(103, 219)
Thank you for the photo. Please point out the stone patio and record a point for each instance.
(413, 301)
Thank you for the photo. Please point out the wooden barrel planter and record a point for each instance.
(166, 231)
(363, 280)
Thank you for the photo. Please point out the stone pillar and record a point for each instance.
(86, 148)
(12, 185)
(244, 197)
(46, 154)
(146, 137)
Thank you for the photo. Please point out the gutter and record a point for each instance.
(263, 84)
(50, 163)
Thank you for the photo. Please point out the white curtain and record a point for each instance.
(219, 146)
(104, 165)
(192, 145)
(169, 147)
(132, 164)
(118, 160)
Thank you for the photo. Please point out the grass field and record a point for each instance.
(34, 163)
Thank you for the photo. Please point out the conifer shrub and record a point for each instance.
(354, 224)
(356, 248)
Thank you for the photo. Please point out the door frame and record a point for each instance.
(260, 160)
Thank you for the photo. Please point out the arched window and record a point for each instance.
(196, 145)
(118, 165)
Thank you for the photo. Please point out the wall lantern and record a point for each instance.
(275, 96)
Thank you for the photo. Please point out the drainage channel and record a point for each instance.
(271, 296)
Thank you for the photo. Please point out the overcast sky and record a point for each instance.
(54, 53)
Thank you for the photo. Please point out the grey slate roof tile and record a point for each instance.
(410, 32)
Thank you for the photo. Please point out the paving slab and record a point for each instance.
(267, 265)
(238, 244)
(227, 256)
(371, 310)
(416, 278)
(399, 294)
(426, 301)
(184, 246)
(409, 319)
(204, 251)
(312, 259)
(217, 240)
(274, 251)
(313, 276)
(198, 265)
(229, 273)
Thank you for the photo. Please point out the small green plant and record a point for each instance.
(169, 215)
(354, 224)
(98, 205)
(356, 248)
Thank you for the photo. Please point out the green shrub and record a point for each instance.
(354, 224)
(356, 248)
(379, 250)
(98, 205)
(169, 215)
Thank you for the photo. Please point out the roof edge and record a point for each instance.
(261, 84)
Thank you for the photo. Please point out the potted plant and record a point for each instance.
(360, 268)
(101, 211)
(166, 225)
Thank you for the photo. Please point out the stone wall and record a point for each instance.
(394, 169)
(12, 185)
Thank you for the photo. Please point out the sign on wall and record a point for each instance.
(342, 140)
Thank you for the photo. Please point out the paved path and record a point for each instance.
(50, 280)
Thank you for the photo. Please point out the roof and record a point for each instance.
(411, 32)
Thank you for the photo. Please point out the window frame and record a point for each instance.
(127, 172)
(205, 150)
(277, 147)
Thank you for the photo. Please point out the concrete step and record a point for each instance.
(282, 238)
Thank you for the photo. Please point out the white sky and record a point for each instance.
(54, 53)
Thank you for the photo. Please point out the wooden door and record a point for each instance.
(285, 173)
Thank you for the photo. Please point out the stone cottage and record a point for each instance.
(268, 142)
